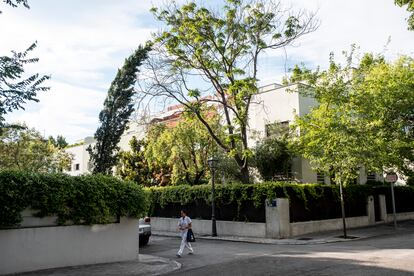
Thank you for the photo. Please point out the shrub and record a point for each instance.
(245, 202)
(88, 199)
(273, 158)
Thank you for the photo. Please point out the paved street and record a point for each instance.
(385, 255)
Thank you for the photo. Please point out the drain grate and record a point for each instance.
(304, 239)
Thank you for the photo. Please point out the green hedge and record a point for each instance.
(241, 202)
(89, 199)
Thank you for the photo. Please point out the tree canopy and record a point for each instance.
(364, 117)
(210, 57)
(25, 149)
(182, 149)
(410, 8)
(132, 164)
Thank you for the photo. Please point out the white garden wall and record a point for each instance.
(34, 248)
(203, 227)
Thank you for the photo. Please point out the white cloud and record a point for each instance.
(66, 109)
(81, 46)
(368, 24)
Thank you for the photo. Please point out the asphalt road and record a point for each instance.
(386, 255)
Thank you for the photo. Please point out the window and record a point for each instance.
(276, 129)
(320, 178)
(371, 177)
(77, 167)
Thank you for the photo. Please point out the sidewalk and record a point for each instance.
(147, 265)
(315, 238)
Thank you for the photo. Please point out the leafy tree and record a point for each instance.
(60, 141)
(25, 149)
(210, 57)
(273, 158)
(132, 164)
(364, 117)
(114, 118)
(385, 97)
(15, 89)
(410, 8)
(184, 149)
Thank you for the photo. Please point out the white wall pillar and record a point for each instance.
(383, 208)
(277, 218)
(371, 210)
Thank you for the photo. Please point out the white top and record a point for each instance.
(183, 222)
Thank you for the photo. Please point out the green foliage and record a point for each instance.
(273, 158)
(132, 164)
(410, 9)
(118, 107)
(225, 194)
(222, 47)
(182, 149)
(25, 149)
(227, 170)
(60, 141)
(243, 202)
(15, 88)
(89, 199)
(364, 117)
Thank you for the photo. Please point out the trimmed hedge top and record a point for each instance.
(245, 202)
(88, 199)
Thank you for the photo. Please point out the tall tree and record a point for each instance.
(210, 57)
(114, 117)
(364, 118)
(410, 9)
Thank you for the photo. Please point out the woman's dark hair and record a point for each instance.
(184, 211)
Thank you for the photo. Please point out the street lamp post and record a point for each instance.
(212, 163)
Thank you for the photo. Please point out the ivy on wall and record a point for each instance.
(88, 199)
(245, 202)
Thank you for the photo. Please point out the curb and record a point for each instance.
(265, 241)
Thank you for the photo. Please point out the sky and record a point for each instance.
(82, 43)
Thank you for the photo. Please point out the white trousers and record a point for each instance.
(184, 244)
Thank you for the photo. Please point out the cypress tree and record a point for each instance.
(116, 113)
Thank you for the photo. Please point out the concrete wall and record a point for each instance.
(400, 216)
(28, 249)
(203, 227)
(278, 224)
(302, 228)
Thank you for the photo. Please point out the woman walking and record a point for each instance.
(183, 225)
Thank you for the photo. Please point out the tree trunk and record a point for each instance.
(244, 171)
(342, 207)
